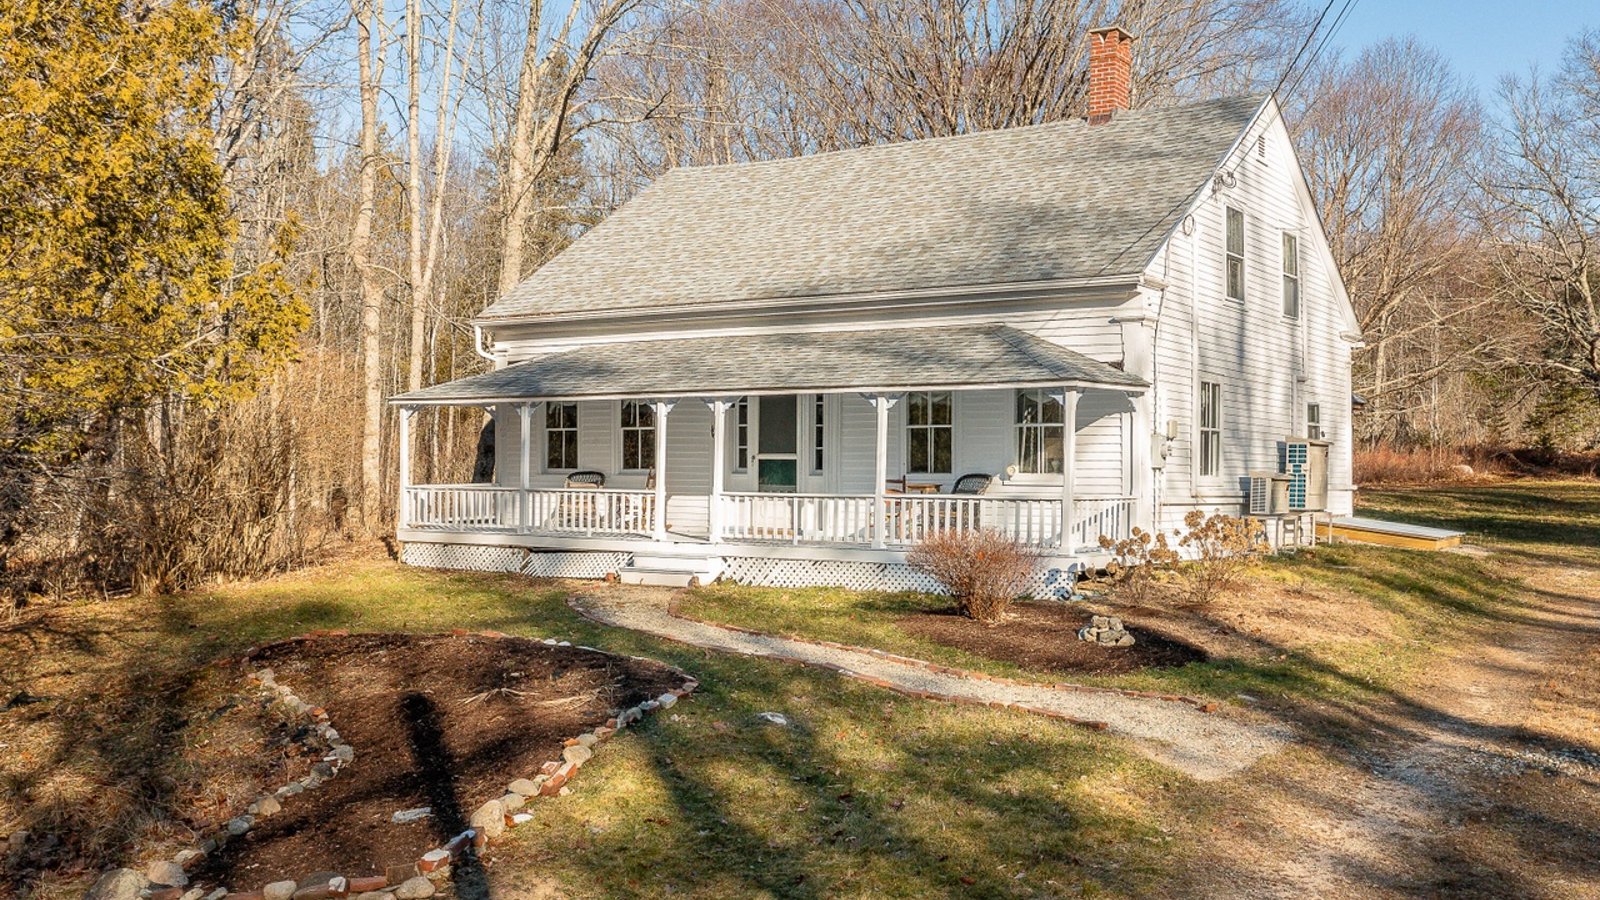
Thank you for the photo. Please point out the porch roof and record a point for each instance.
(951, 357)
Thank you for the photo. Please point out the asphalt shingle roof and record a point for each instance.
(894, 358)
(1039, 203)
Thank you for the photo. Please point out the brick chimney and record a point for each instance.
(1110, 65)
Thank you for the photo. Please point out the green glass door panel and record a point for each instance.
(777, 475)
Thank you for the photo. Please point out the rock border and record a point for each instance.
(407, 881)
(1206, 706)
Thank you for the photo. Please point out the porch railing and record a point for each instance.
(847, 519)
(911, 518)
(491, 508)
(797, 518)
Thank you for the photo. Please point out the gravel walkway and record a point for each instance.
(1207, 746)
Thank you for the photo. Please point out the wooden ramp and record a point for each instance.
(1389, 534)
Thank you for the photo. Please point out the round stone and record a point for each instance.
(279, 890)
(168, 873)
(489, 819)
(117, 884)
(417, 888)
(527, 787)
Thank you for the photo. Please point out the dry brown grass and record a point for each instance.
(1387, 465)
(1261, 618)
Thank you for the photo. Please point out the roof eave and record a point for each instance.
(1134, 386)
(854, 301)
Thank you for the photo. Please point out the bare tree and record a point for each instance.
(551, 74)
(753, 79)
(371, 43)
(1545, 194)
(1389, 141)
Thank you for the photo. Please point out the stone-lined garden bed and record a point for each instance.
(439, 744)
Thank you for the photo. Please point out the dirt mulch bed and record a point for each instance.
(1044, 636)
(438, 721)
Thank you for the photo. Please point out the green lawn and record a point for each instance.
(1433, 601)
(868, 792)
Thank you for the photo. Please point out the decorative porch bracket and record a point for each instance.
(662, 408)
(719, 458)
(1068, 398)
(880, 514)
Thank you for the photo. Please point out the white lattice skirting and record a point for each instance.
(478, 558)
(562, 564)
(1050, 584)
(473, 557)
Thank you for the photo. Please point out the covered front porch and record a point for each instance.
(848, 440)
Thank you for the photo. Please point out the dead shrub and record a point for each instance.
(983, 570)
(1139, 565)
(1224, 547)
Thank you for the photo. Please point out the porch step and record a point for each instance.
(670, 569)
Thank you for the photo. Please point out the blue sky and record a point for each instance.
(1484, 39)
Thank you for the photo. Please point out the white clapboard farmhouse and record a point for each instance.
(789, 372)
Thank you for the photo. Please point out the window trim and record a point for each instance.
(550, 432)
(646, 432)
(741, 436)
(1228, 256)
(1291, 273)
(1314, 429)
(1208, 440)
(1042, 396)
(930, 427)
(819, 433)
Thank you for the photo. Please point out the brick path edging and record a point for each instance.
(1205, 706)
(491, 819)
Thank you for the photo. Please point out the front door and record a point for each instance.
(777, 444)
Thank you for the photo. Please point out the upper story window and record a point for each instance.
(1210, 428)
(1040, 432)
(638, 435)
(1314, 421)
(560, 436)
(1291, 275)
(930, 437)
(1235, 254)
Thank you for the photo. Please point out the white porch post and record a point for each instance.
(662, 409)
(525, 481)
(1069, 466)
(880, 515)
(719, 461)
(402, 516)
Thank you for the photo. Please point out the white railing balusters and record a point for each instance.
(846, 519)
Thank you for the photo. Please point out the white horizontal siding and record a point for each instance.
(1255, 352)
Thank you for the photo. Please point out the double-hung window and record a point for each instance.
(930, 436)
(1041, 429)
(638, 435)
(560, 436)
(1314, 421)
(1291, 275)
(1210, 428)
(1235, 254)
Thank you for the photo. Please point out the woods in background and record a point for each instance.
(229, 230)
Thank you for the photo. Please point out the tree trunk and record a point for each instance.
(371, 501)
